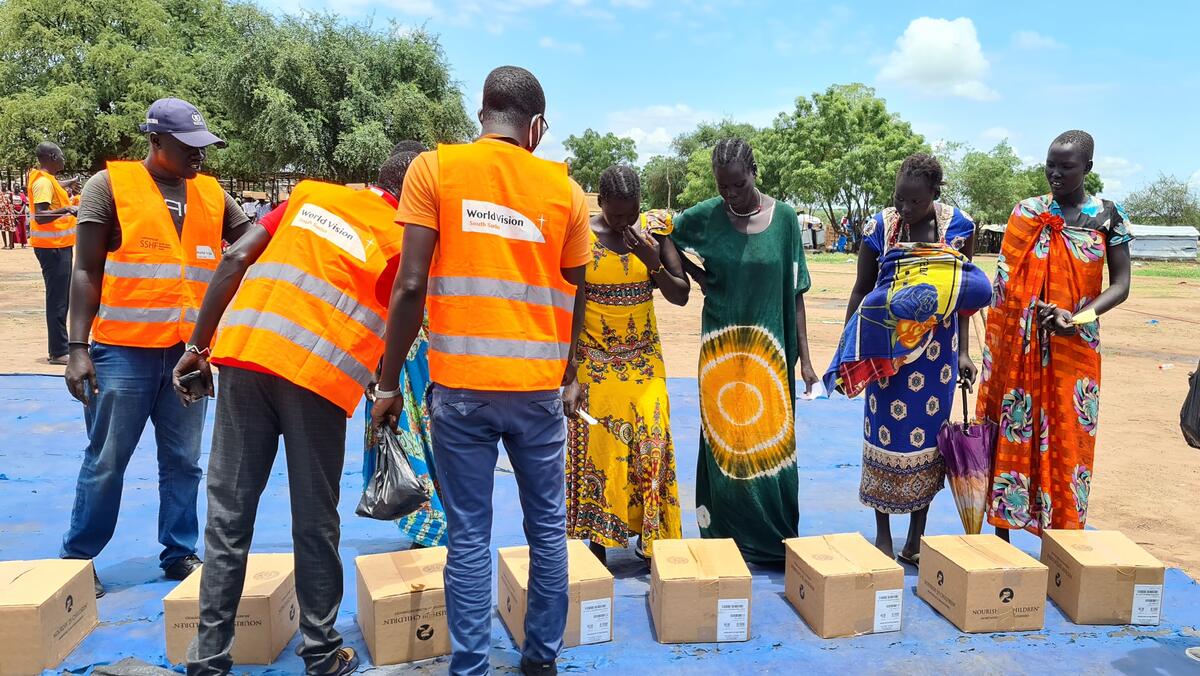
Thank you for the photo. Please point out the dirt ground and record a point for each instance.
(1146, 476)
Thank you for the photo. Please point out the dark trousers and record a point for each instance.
(253, 411)
(56, 271)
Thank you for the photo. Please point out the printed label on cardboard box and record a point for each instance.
(888, 610)
(1147, 603)
(595, 621)
(733, 617)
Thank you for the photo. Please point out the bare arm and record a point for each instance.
(864, 282)
(87, 276)
(228, 277)
(406, 311)
(967, 372)
(576, 276)
(672, 281)
(42, 213)
(1118, 281)
(695, 272)
(807, 374)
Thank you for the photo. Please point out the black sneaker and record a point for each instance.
(181, 569)
(347, 662)
(538, 668)
(99, 587)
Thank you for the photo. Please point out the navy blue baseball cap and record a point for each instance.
(181, 120)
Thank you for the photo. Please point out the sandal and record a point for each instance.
(913, 560)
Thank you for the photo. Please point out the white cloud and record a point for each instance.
(547, 42)
(996, 134)
(636, 4)
(1033, 41)
(1194, 181)
(1115, 172)
(654, 127)
(940, 57)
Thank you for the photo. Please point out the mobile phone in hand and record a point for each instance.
(194, 386)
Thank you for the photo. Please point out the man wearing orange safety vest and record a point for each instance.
(52, 233)
(505, 295)
(150, 233)
(306, 292)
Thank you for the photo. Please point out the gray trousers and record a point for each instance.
(253, 411)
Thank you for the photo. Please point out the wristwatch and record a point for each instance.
(386, 394)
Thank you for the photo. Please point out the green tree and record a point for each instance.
(841, 148)
(992, 183)
(591, 153)
(694, 150)
(663, 177)
(1165, 201)
(327, 98)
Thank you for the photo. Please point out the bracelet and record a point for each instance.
(83, 343)
(387, 394)
(195, 349)
(661, 268)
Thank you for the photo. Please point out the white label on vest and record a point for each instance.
(205, 253)
(493, 219)
(330, 227)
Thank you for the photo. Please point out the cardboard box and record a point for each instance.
(268, 614)
(402, 605)
(47, 608)
(699, 592)
(1103, 577)
(590, 593)
(843, 586)
(982, 583)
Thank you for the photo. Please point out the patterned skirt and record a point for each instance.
(902, 468)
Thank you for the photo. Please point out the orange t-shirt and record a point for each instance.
(419, 206)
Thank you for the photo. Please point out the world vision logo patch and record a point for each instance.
(330, 227)
(493, 219)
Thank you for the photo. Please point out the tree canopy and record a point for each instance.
(591, 153)
(1165, 201)
(314, 93)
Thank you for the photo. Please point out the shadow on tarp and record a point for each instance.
(41, 445)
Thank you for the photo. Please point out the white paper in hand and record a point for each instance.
(818, 392)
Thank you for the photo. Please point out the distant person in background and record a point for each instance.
(8, 218)
(1041, 367)
(52, 233)
(250, 208)
(261, 209)
(21, 213)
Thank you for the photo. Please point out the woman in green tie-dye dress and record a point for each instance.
(752, 271)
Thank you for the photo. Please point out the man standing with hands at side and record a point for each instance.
(506, 306)
(52, 233)
(150, 236)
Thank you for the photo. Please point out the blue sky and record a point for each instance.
(974, 72)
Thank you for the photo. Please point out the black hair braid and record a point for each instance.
(391, 174)
(408, 146)
(733, 152)
(923, 167)
(1078, 138)
(620, 181)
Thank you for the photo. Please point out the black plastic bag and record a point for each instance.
(1189, 415)
(394, 490)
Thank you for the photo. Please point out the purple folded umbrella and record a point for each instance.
(967, 450)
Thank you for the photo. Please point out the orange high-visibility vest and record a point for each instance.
(499, 308)
(59, 233)
(307, 309)
(154, 283)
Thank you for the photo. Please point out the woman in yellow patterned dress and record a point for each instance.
(621, 471)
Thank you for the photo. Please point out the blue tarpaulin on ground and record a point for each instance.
(42, 441)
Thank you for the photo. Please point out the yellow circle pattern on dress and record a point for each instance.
(745, 402)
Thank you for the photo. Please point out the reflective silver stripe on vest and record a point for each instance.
(498, 288)
(142, 270)
(198, 274)
(294, 333)
(320, 289)
(190, 315)
(498, 347)
(141, 315)
(34, 234)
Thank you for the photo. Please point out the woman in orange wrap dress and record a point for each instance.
(1041, 365)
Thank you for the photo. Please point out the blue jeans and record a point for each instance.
(135, 386)
(466, 428)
